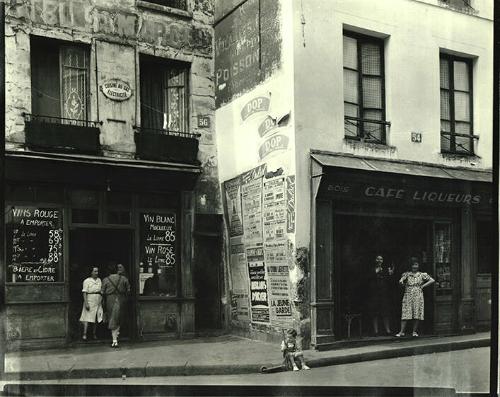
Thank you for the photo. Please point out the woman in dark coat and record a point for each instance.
(379, 287)
(115, 291)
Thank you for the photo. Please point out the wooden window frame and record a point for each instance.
(450, 59)
(361, 38)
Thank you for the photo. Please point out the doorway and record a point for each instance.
(359, 240)
(103, 248)
(208, 282)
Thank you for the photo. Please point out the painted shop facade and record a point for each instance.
(111, 158)
(330, 158)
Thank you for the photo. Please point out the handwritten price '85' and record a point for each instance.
(170, 235)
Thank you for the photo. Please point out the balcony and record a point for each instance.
(57, 134)
(165, 145)
(366, 130)
(453, 143)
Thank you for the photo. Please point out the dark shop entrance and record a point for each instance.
(103, 248)
(360, 239)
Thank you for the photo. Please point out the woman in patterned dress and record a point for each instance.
(413, 299)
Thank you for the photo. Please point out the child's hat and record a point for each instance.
(291, 332)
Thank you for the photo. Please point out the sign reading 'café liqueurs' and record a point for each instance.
(34, 244)
(116, 89)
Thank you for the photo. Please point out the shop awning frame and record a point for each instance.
(341, 160)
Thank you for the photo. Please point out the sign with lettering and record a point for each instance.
(251, 193)
(259, 305)
(443, 194)
(232, 189)
(274, 209)
(267, 125)
(158, 252)
(203, 121)
(259, 104)
(290, 204)
(272, 144)
(116, 90)
(416, 137)
(34, 244)
(247, 48)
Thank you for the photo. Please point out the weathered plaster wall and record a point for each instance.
(117, 32)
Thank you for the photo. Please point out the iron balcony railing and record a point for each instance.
(459, 148)
(36, 118)
(161, 131)
(357, 128)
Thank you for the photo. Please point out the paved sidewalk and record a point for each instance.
(222, 355)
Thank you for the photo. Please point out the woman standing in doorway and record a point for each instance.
(115, 289)
(413, 299)
(379, 303)
(92, 309)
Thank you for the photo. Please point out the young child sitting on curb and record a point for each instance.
(291, 352)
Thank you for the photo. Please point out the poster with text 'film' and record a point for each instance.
(259, 305)
(240, 310)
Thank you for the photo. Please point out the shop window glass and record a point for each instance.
(442, 258)
(50, 195)
(118, 217)
(164, 97)
(456, 105)
(118, 199)
(84, 198)
(485, 243)
(34, 244)
(364, 107)
(84, 215)
(158, 266)
(19, 193)
(59, 75)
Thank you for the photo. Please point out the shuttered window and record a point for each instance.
(364, 102)
(59, 80)
(164, 97)
(456, 105)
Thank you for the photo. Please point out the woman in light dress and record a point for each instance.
(92, 302)
(413, 299)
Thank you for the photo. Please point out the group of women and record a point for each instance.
(380, 297)
(105, 301)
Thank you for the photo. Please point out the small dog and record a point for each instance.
(291, 351)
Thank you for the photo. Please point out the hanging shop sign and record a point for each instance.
(34, 244)
(116, 90)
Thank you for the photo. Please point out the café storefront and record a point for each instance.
(65, 215)
(366, 207)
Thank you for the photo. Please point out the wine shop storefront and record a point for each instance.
(65, 216)
(368, 207)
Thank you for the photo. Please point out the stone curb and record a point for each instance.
(235, 369)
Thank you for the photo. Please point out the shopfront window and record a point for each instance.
(34, 244)
(442, 258)
(158, 266)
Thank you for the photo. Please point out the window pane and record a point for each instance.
(80, 215)
(351, 126)
(351, 86)
(350, 53)
(74, 83)
(370, 59)
(445, 104)
(373, 131)
(461, 76)
(463, 144)
(444, 74)
(445, 126)
(462, 106)
(176, 112)
(372, 92)
(445, 138)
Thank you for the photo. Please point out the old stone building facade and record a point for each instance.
(111, 158)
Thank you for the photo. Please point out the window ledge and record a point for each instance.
(354, 143)
(459, 156)
(164, 9)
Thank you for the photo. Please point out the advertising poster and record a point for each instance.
(252, 212)
(290, 203)
(259, 305)
(275, 209)
(239, 278)
(232, 190)
(278, 284)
